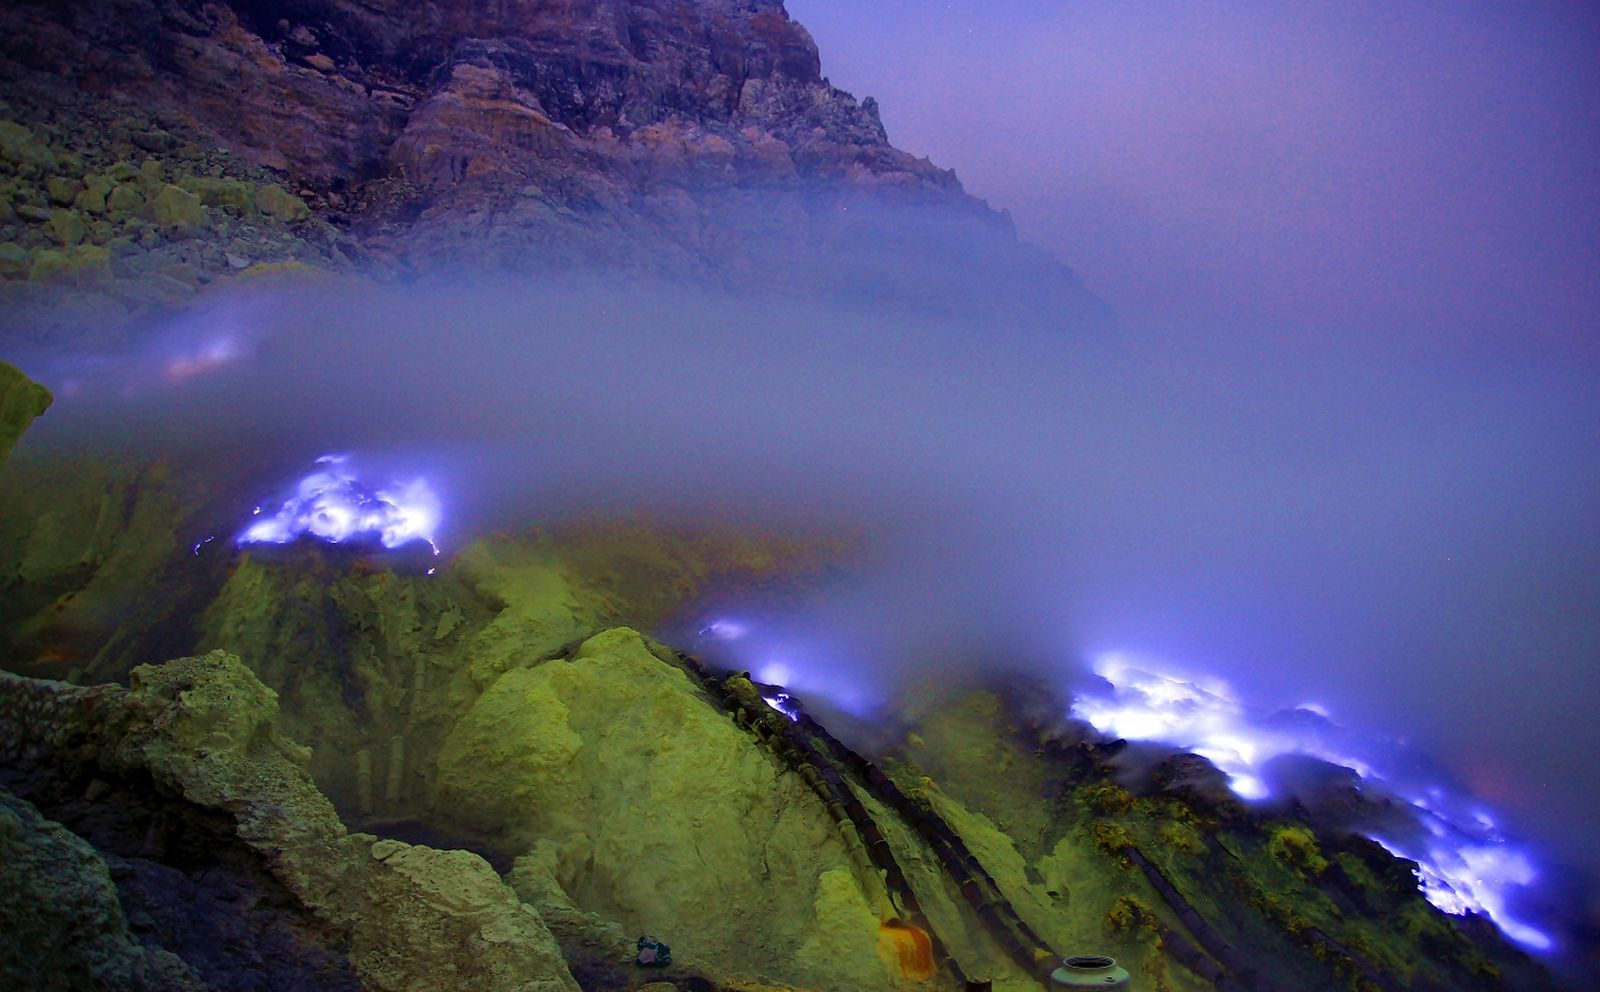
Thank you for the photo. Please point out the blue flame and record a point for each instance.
(783, 703)
(776, 656)
(1464, 865)
(724, 630)
(1202, 716)
(333, 505)
(204, 357)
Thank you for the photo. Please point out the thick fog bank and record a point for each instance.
(1418, 550)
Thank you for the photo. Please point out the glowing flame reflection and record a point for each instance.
(783, 703)
(333, 505)
(1463, 864)
(208, 356)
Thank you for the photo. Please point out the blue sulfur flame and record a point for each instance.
(1460, 875)
(1202, 716)
(783, 661)
(783, 703)
(333, 505)
(1464, 865)
(723, 630)
(204, 357)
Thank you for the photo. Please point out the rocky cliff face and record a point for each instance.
(686, 138)
(440, 94)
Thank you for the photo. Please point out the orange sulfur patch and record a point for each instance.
(909, 947)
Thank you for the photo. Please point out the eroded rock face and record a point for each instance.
(592, 102)
(186, 786)
(680, 138)
(65, 928)
(649, 807)
(324, 88)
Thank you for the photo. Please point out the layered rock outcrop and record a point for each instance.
(181, 844)
(444, 92)
(682, 138)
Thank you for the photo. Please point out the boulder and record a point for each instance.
(93, 197)
(66, 227)
(69, 264)
(124, 201)
(25, 154)
(505, 937)
(233, 195)
(177, 209)
(62, 190)
(21, 400)
(275, 201)
(151, 177)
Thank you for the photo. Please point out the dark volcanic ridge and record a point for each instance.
(155, 149)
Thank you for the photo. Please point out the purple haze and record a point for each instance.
(1413, 178)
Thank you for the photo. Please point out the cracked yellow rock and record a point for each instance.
(654, 810)
(21, 400)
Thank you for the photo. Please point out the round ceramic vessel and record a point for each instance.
(1090, 971)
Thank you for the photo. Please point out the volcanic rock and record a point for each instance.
(274, 201)
(174, 207)
(60, 911)
(21, 400)
(184, 775)
(654, 137)
(63, 191)
(486, 709)
(653, 810)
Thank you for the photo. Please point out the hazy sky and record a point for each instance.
(1416, 177)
